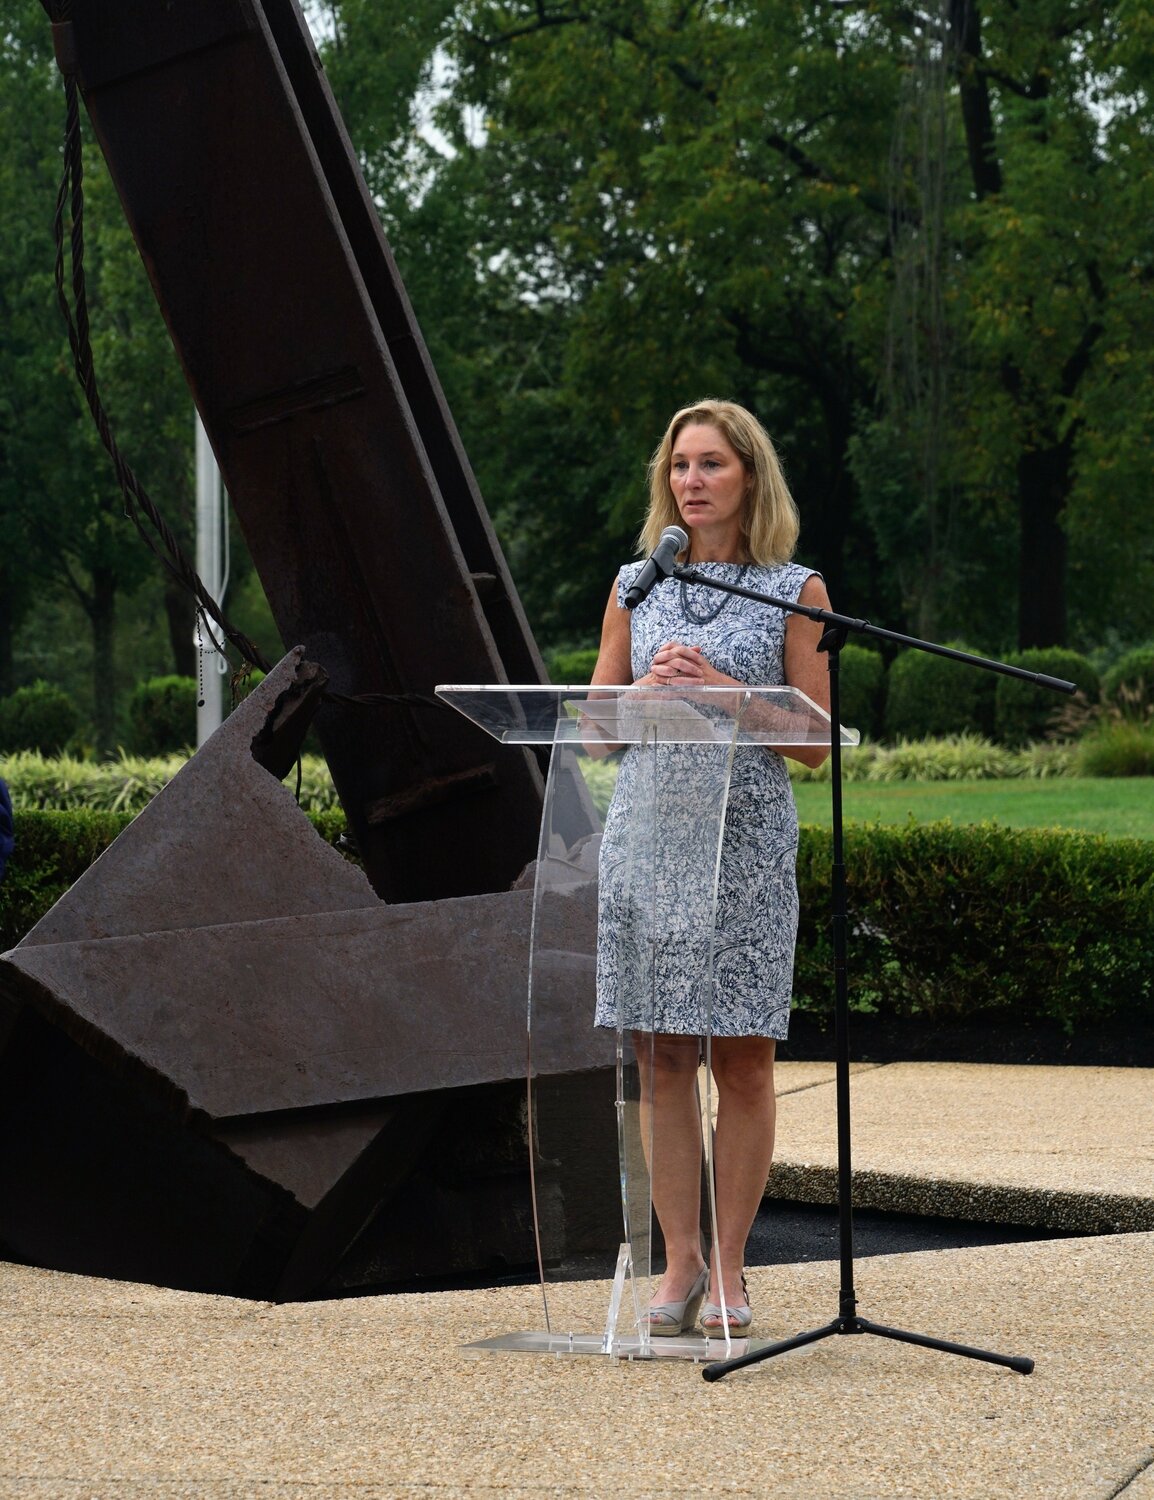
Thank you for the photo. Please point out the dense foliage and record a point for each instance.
(1024, 711)
(947, 923)
(861, 689)
(929, 696)
(983, 922)
(914, 239)
(162, 715)
(1129, 684)
(40, 716)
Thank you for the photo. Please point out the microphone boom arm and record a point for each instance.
(829, 617)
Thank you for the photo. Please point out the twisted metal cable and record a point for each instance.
(137, 502)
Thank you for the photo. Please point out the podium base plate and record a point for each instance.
(696, 1348)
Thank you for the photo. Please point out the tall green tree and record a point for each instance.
(60, 506)
(34, 401)
(643, 202)
(1059, 293)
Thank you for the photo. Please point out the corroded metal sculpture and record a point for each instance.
(226, 1049)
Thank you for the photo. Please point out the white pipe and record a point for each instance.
(210, 565)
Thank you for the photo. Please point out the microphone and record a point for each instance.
(659, 565)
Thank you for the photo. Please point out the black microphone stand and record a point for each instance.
(837, 628)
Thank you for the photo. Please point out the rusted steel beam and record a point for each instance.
(315, 387)
(221, 1053)
(225, 985)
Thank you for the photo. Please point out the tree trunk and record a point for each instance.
(829, 511)
(178, 606)
(828, 516)
(965, 34)
(7, 631)
(101, 610)
(1043, 484)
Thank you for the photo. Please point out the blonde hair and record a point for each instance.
(769, 520)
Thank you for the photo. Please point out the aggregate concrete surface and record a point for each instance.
(1070, 1149)
(115, 1390)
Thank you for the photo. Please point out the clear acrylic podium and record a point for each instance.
(650, 871)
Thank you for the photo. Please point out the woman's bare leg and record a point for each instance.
(742, 1152)
(671, 1138)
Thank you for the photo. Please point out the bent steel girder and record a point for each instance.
(315, 387)
(221, 1054)
(224, 1053)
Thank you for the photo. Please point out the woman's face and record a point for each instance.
(708, 479)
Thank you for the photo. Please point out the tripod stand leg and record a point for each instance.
(1019, 1362)
(723, 1366)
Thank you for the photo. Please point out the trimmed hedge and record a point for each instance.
(1024, 711)
(162, 715)
(978, 924)
(40, 717)
(929, 695)
(982, 923)
(53, 849)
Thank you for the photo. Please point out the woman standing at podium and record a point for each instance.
(715, 474)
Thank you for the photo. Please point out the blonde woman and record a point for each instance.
(715, 474)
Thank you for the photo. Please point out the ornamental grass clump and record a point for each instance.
(1047, 758)
(125, 784)
(1118, 747)
(956, 757)
(128, 783)
(1128, 686)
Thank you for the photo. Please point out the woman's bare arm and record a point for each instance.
(806, 667)
(613, 661)
(613, 666)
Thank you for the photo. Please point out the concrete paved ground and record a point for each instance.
(114, 1390)
(1066, 1148)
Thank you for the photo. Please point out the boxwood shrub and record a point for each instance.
(862, 687)
(947, 923)
(1022, 710)
(951, 922)
(53, 849)
(929, 695)
(162, 715)
(40, 717)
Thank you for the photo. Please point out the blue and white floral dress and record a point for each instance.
(653, 953)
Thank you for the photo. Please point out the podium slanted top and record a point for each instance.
(537, 714)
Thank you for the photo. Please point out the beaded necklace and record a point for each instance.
(703, 617)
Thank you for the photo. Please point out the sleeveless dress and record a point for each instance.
(654, 969)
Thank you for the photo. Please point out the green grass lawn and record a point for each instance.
(1122, 807)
